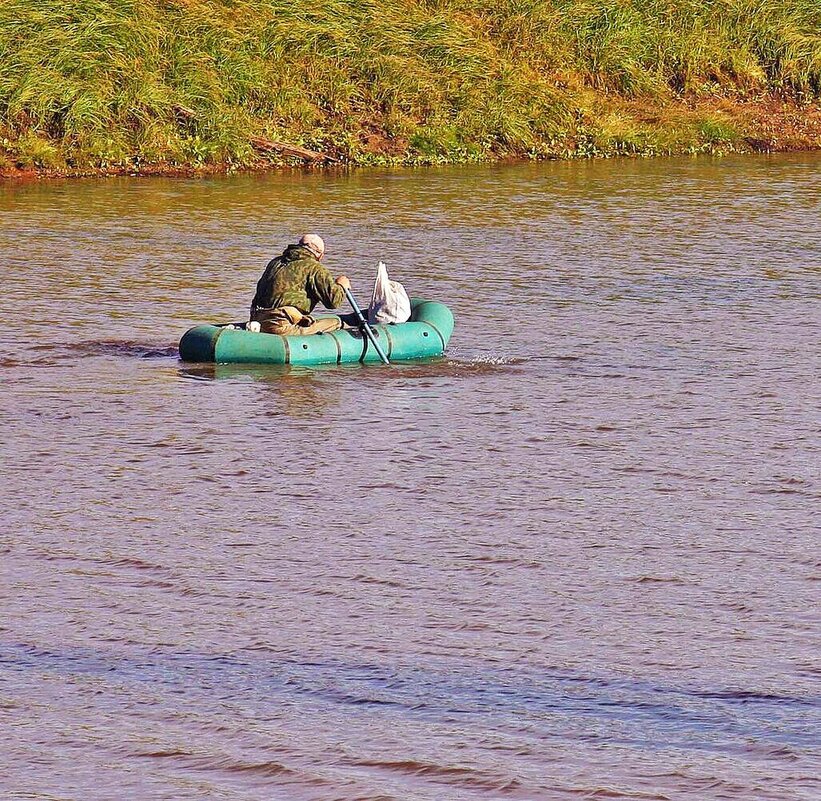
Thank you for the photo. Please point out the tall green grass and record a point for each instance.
(132, 83)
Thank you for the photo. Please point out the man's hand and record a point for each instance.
(343, 281)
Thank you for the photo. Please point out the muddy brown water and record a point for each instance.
(575, 558)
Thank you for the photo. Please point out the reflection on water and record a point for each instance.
(574, 558)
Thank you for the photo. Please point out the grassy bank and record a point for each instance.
(154, 85)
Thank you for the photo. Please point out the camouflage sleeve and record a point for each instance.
(326, 288)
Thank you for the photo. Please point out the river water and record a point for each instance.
(575, 558)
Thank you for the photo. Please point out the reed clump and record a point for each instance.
(141, 84)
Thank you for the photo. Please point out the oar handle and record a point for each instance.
(365, 327)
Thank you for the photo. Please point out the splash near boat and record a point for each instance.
(425, 335)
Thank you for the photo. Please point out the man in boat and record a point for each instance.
(292, 285)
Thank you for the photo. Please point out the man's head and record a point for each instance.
(314, 243)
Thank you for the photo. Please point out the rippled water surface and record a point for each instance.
(575, 558)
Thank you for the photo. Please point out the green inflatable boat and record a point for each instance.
(426, 334)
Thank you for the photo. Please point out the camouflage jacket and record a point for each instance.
(297, 279)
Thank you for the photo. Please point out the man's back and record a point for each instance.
(296, 278)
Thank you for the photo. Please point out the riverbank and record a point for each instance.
(203, 86)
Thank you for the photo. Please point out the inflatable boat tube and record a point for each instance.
(426, 334)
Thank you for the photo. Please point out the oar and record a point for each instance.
(365, 327)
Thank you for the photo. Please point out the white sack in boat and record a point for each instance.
(390, 303)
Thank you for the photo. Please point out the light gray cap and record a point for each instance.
(314, 243)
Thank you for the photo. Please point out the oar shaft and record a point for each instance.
(365, 327)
